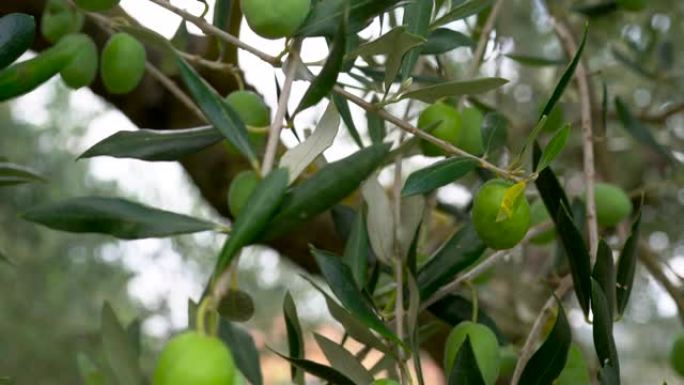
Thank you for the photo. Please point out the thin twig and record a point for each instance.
(531, 341)
(277, 124)
(654, 267)
(484, 39)
(172, 87)
(219, 33)
(570, 46)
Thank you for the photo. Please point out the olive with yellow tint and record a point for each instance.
(495, 231)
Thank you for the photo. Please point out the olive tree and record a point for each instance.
(397, 271)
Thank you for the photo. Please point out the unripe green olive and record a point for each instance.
(677, 355)
(250, 107)
(82, 69)
(197, 359)
(505, 233)
(97, 5)
(612, 204)
(485, 347)
(471, 131)
(632, 5)
(384, 381)
(576, 371)
(274, 19)
(123, 63)
(59, 20)
(448, 121)
(241, 188)
(538, 216)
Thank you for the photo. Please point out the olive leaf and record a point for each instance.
(437, 175)
(13, 174)
(433, 93)
(462, 11)
(17, 32)
(380, 220)
(443, 40)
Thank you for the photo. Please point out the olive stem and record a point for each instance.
(570, 45)
(277, 124)
(174, 89)
(219, 33)
(473, 298)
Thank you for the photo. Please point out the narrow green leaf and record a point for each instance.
(394, 44)
(566, 77)
(295, 338)
(443, 40)
(598, 9)
(343, 108)
(155, 145)
(133, 332)
(90, 374)
(578, 256)
(254, 217)
(456, 255)
(357, 249)
(222, 14)
(604, 343)
(548, 361)
(376, 126)
(13, 174)
(118, 217)
(342, 360)
(626, 267)
(325, 15)
(244, 351)
(604, 274)
(633, 64)
(535, 61)
(465, 370)
(341, 282)
(431, 94)
(326, 188)
(381, 226)
(639, 131)
(454, 309)
(417, 16)
(462, 11)
(412, 211)
(319, 370)
(325, 81)
(296, 159)
(117, 348)
(549, 186)
(437, 175)
(554, 148)
(219, 114)
(17, 32)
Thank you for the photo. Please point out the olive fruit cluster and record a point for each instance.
(197, 359)
(445, 122)
(274, 19)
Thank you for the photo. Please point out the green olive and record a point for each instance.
(83, 67)
(612, 204)
(59, 19)
(384, 381)
(632, 5)
(471, 131)
(197, 359)
(509, 358)
(274, 19)
(250, 107)
(538, 216)
(123, 63)
(576, 371)
(241, 188)
(677, 355)
(505, 233)
(448, 126)
(97, 5)
(485, 347)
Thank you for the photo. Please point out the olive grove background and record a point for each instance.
(51, 292)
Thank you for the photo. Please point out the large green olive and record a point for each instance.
(97, 5)
(471, 131)
(576, 371)
(677, 355)
(250, 107)
(448, 126)
(123, 63)
(59, 19)
(539, 215)
(241, 188)
(274, 19)
(504, 233)
(197, 359)
(83, 67)
(612, 204)
(485, 347)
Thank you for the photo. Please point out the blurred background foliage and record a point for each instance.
(51, 296)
